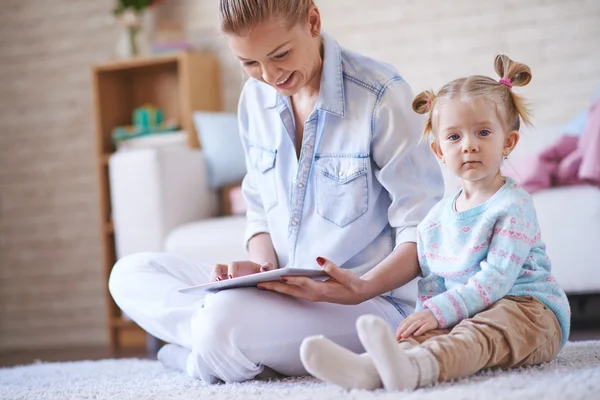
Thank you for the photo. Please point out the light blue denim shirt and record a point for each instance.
(362, 183)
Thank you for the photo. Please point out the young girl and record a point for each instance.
(487, 298)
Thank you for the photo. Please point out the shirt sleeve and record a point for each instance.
(511, 242)
(256, 216)
(406, 168)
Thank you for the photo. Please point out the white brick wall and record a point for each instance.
(434, 41)
(51, 283)
(51, 286)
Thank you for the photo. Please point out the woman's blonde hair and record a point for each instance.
(511, 107)
(239, 16)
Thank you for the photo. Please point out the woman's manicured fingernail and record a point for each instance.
(321, 261)
(260, 288)
(283, 280)
(218, 278)
(230, 277)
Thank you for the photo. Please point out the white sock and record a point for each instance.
(398, 368)
(173, 356)
(332, 363)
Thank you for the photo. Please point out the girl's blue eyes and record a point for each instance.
(277, 57)
(455, 137)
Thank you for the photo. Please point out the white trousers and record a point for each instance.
(235, 333)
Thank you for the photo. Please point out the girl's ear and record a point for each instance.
(510, 142)
(437, 150)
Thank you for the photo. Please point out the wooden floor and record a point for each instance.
(585, 326)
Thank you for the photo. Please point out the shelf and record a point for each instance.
(121, 323)
(104, 159)
(140, 62)
(178, 84)
(109, 227)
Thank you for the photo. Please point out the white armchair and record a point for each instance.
(161, 201)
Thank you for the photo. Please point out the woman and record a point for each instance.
(334, 173)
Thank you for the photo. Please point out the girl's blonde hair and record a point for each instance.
(511, 107)
(239, 16)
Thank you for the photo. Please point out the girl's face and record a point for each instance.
(471, 140)
(286, 59)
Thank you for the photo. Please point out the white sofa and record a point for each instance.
(161, 202)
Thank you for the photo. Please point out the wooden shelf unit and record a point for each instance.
(179, 84)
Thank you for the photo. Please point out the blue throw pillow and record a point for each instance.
(219, 138)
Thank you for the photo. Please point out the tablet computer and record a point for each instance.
(254, 279)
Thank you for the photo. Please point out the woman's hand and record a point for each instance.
(343, 287)
(221, 272)
(417, 323)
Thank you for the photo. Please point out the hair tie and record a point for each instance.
(506, 82)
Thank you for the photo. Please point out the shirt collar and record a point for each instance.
(331, 92)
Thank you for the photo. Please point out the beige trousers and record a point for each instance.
(513, 332)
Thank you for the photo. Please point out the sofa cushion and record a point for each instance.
(210, 241)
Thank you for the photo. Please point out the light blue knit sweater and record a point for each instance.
(471, 259)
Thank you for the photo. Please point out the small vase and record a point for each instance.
(133, 37)
(135, 34)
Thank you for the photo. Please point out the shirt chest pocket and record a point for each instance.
(341, 188)
(263, 163)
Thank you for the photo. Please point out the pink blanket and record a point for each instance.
(570, 161)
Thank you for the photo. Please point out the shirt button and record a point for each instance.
(294, 222)
(300, 185)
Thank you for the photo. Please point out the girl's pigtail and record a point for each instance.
(423, 104)
(514, 74)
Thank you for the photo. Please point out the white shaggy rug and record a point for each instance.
(574, 375)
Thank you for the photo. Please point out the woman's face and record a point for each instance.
(287, 59)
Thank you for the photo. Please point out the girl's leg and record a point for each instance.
(335, 364)
(239, 332)
(512, 332)
(404, 365)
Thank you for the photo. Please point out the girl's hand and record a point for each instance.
(343, 287)
(417, 323)
(221, 272)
